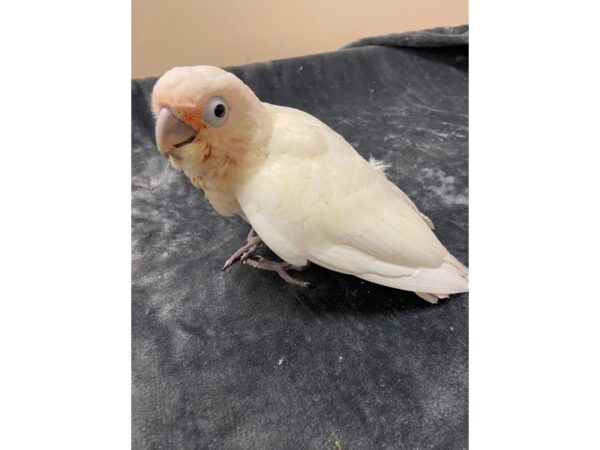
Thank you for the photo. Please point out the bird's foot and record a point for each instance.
(253, 243)
(281, 268)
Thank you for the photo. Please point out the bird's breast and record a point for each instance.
(219, 194)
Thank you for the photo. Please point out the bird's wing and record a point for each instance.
(315, 198)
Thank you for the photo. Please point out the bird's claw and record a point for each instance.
(253, 243)
(281, 268)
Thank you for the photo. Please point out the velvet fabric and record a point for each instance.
(242, 360)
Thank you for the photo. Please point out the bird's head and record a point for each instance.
(204, 114)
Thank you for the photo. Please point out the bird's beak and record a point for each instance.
(171, 133)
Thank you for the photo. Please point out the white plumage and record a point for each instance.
(316, 199)
(306, 192)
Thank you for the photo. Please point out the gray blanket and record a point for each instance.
(242, 360)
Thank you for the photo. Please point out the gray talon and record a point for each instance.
(253, 243)
(280, 267)
(245, 254)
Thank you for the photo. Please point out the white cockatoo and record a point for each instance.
(308, 195)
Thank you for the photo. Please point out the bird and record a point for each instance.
(307, 194)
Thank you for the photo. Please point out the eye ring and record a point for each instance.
(216, 111)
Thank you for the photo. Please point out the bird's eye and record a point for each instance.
(216, 111)
(220, 110)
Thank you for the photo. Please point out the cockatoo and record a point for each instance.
(306, 192)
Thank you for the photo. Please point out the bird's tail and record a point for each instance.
(454, 266)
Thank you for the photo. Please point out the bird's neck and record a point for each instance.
(218, 171)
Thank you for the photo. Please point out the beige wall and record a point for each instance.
(166, 33)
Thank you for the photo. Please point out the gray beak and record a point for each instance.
(171, 132)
